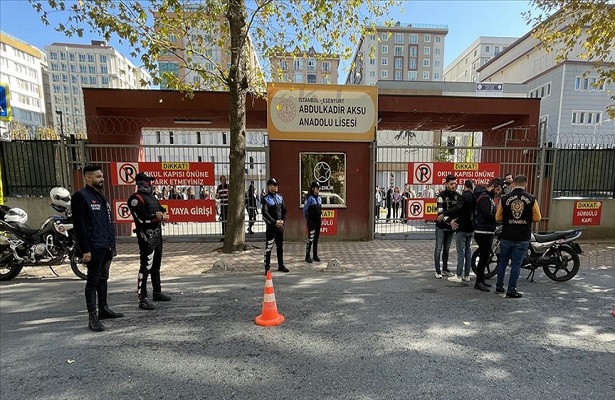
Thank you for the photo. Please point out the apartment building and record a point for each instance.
(75, 66)
(404, 52)
(21, 68)
(573, 108)
(483, 49)
(305, 67)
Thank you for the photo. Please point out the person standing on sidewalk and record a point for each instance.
(444, 233)
(484, 228)
(222, 196)
(93, 225)
(461, 219)
(251, 206)
(312, 211)
(516, 211)
(148, 215)
(274, 215)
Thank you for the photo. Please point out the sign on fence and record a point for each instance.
(179, 210)
(586, 212)
(421, 209)
(166, 173)
(436, 172)
(328, 222)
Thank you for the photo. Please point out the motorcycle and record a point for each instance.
(556, 253)
(51, 244)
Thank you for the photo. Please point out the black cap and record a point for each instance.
(315, 184)
(144, 176)
(273, 182)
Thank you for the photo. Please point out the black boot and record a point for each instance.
(307, 252)
(267, 261)
(94, 323)
(159, 296)
(104, 312)
(316, 258)
(144, 304)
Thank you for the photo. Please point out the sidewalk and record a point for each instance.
(193, 258)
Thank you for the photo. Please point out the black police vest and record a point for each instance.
(145, 220)
(517, 209)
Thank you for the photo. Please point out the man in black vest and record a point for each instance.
(444, 233)
(274, 215)
(148, 215)
(516, 211)
(93, 225)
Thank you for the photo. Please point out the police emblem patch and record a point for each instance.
(134, 202)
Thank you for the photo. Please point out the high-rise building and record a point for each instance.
(412, 52)
(305, 67)
(463, 68)
(20, 68)
(74, 66)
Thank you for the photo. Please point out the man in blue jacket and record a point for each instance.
(93, 225)
(312, 211)
(274, 215)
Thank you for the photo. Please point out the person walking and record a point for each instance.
(251, 206)
(95, 235)
(446, 199)
(312, 211)
(148, 215)
(484, 228)
(274, 215)
(516, 211)
(222, 196)
(461, 218)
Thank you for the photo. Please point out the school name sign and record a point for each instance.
(321, 112)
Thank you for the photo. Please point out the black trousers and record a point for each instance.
(273, 234)
(98, 275)
(150, 253)
(484, 242)
(251, 216)
(313, 236)
(223, 217)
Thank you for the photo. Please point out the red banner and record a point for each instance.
(586, 212)
(179, 210)
(166, 173)
(435, 173)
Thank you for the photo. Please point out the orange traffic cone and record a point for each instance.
(269, 316)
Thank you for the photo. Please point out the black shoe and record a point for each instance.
(146, 305)
(94, 323)
(514, 295)
(308, 259)
(481, 286)
(316, 258)
(159, 296)
(486, 284)
(499, 289)
(106, 313)
(282, 268)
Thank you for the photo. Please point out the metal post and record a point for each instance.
(63, 153)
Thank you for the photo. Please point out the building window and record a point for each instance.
(73, 68)
(53, 55)
(399, 38)
(103, 69)
(63, 56)
(427, 38)
(326, 79)
(487, 49)
(55, 77)
(588, 83)
(372, 61)
(223, 137)
(73, 80)
(198, 138)
(414, 51)
(438, 39)
(384, 49)
(384, 73)
(158, 137)
(398, 75)
(426, 50)
(426, 62)
(55, 67)
(586, 117)
(496, 51)
(81, 57)
(311, 78)
(384, 61)
(436, 76)
(83, 69)
(171, 137)
(372, 74)
(92, 69)
(399, 50)
(93, 80)
(399, 63)
(84, 80)
(298, 77)
(326, 66)
(372, 37)
(436, 63)
(284, 65)
(425, 74)
(311, 64)
(413, 38)
(411, 75)
(412, 64)
(71, 57)
(103, 58)
(437, 51)
(91, 58)
(384, 36)
(298, 64)
(105, 80)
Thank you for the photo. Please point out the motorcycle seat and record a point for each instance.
(549, 237)
(23, 228)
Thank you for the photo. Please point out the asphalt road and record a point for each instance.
(347, 335)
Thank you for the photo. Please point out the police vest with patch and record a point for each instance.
(517, 207)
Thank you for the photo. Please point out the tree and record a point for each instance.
(564, 26)
(189, 29)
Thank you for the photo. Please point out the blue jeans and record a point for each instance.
(514, 251)
(463, 241)
(443, 244)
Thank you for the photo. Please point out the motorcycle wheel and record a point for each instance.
(491, 269)
(9, 271)
(568, 270)
(79, 268)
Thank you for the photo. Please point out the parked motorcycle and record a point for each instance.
(51, 244)
(556, 253)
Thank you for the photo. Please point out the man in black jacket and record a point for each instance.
(148, 215)
(444, 233)
(461, 219)
(274, 215)
(93, 225)
(484, 228)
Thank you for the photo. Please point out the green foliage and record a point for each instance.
(564, 26)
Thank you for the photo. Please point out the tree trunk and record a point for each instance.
(238, 86)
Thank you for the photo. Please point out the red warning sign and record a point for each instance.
(166, 173)
(179, 211)
(436, 172)
(421, 209)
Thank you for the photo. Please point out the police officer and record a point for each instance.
(148, 215)
(516, 211)
(312, 211)
(274, 215)
(93, 225)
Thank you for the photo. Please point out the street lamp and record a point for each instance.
(596, 125)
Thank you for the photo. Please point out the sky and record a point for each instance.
(466, 20)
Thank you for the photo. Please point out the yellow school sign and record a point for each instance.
(321, 112)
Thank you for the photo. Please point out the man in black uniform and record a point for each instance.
(274, 215)
(312, 211)
(222, 196)
(148, 215)
(93, 225)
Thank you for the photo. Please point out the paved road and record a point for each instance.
(381, 329)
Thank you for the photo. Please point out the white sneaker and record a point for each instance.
(455, 278)
(466, 279)
(438, 275)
